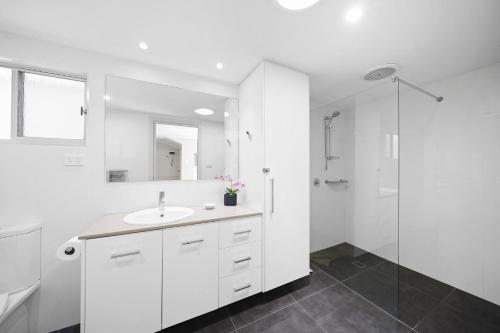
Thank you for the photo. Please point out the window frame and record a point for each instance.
(16, 136)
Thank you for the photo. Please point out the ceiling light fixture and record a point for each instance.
(226, 114)
(143, 46)
(354, 14)
(5, 59)
(296, 4)
(107, 97)
(204, 111)
(219, 65)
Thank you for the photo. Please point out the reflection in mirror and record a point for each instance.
(157, 132)
(176, 152)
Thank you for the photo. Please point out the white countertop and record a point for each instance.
(112, 224)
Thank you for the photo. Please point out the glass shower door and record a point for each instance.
(367, 261)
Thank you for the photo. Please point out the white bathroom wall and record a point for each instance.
(328, 202)
(36, 186)
(450, 182)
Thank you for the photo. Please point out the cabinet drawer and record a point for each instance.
(122, 275)
(238, 286)
(240, 258)
(240, 231)
(190, 272)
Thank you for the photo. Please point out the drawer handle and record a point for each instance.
(247, 231)
(248, 285)
(194, 241)
(237, 261)
(126, 253)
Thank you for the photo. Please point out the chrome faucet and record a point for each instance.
(161, 200)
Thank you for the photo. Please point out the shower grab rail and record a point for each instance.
(337, 181)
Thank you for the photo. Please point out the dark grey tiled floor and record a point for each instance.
(344, 260)
(421, 302)
(367, 297)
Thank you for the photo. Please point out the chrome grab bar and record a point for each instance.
(337, 181)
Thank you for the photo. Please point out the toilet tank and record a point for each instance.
(19, 257)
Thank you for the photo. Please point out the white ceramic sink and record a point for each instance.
(158, 216)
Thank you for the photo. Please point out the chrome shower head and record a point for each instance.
(329, 120)
(381, 72)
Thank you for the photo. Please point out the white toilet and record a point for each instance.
(19, 273)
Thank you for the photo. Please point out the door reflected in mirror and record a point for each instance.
(176, 152)
(158, 132)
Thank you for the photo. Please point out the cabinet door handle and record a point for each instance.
(194, 241)
(126, 253)
(248, 285)
(241, 232)
(237, 261)
(272, 195)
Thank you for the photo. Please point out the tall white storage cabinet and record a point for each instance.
(274, 163)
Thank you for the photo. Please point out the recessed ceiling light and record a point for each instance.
(354, 14)
(143, 46)
(204, 111)
(219, 65)
(5, 59)
(296, 4)
(226, 114)
(107, 97)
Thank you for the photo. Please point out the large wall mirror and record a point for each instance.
(158, 132)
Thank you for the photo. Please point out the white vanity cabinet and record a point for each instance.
(150, 280)
(190, 272)
(122, 283)
(240, 259)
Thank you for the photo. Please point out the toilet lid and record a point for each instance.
(4, 298)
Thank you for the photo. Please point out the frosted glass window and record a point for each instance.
(52, 107)
(5, 102)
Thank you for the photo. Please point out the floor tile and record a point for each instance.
(380, 285)
(344, 260)
(255, 307)
(446, 319)
(217, 321)
(475, 307)
(290, 320)
(426, 284)
(310, 284)
(338, 309)
(70, 329)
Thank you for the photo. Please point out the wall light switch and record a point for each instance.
(75, 160)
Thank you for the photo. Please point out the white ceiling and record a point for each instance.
(140, 96)
(430, 39)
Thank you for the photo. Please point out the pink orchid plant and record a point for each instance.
(235, 185)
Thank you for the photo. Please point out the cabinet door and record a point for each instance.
(286, 211)
(190, 272)
(123, 283)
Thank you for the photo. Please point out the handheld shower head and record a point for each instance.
(329, 120)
